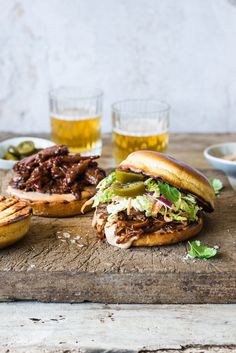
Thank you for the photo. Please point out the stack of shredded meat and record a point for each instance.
(54, 170)
(135, 224)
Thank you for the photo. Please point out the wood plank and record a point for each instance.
(46, 266)
(64, 328)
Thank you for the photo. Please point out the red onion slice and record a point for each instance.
(165, 202)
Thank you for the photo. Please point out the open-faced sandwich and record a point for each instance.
(54, 182)
(15, 218)
(151, 199)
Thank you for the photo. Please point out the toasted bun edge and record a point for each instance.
(157, 238)
(13, 232)
(58, 209)
(174, 172)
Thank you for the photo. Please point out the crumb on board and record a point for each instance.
(69, 238)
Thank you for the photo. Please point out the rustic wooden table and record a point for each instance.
(38, 327)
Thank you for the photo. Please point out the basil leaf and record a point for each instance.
(217, 185)
(200, 250)
(169, 192)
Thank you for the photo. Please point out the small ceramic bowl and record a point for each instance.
(215, 153)
(39, 143)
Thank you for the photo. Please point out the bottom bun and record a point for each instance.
(161, 238)
(58, 209)
(11, 233)
(53, 205)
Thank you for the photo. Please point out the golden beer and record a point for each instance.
(125, 143)
(79, 134)
(75, 114)
(139, 124)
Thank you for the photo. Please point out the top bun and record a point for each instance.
(173, 172)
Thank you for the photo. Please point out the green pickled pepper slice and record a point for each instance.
(13, 150)
(26, 148)
(129, 189)
(10, 157)
(128, 177)
(12, 154)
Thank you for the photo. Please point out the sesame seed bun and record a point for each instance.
(173, 172)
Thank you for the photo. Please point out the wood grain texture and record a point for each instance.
(97, 328)
(61, 260)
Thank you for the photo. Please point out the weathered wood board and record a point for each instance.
(98, 328)
(61, 260)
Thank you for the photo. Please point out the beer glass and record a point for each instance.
(75, 114)
(139, 124)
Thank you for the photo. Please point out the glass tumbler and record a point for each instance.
(139, 124)
(75, 114)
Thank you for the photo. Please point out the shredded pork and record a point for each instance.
(136, 224)
(55, 170)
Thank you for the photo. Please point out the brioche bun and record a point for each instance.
(160, 237)
(54, 205)
(15, 218)
(173, 172)
(166, 238)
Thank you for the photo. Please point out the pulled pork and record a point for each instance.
(54, 170)
(136, 224)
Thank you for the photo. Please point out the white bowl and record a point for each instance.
(39, 143)
(215, 153)
(214, 156)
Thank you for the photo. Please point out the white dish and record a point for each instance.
(38, 142)
(215, 153)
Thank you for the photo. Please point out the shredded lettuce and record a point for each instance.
(170, 216)
(190, 198)
(104, 183)
(120, 205)
(105, 196)
(152, 186)
(189, 206)
(184, 205)
(144, 203)
(176, 217)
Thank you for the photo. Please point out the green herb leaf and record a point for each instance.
(217, 185)
(104, 183)
(171, 193)
(200, 250)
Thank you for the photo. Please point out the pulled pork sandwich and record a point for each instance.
(151, 199)
(54, 182)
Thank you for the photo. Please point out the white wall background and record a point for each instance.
(181, 51)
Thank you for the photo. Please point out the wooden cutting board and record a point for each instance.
(61, 260)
